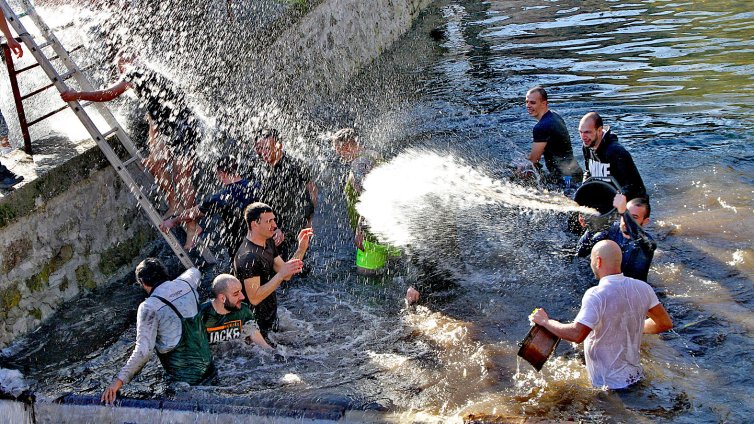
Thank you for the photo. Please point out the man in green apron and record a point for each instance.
(168, 321)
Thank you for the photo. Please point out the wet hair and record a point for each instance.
(539, 90)
(151, 271)
(221, 282)
(595, 117)
(641, 202)
(227, 164)
(254, 211)
(345, 135)
(266, 132)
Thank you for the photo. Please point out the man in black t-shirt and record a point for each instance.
(288, 186)
(174, 131)
(229, 203)
(259, 266)
(551, 140)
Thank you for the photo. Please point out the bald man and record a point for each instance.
(226, 318)
(613, 316)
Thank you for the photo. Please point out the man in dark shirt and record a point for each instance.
(229, 203)
(551, 140)
(259, 266)
(226, 317)
(174, 131)
(637, 246)
(287, 186)
(605, 157)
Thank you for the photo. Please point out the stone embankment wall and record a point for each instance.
(77, 227)
(67, 231)
(334, 41)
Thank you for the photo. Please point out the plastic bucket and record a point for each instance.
(597, 194)
(538, 346)
(372, 257)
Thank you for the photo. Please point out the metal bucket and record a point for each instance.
(597, 193)
(538, 346)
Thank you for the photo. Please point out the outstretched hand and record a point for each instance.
(291, 268)
(15, 47)
(303, 238)
(69, 95)
(278, 237)
(167, 225)
(112, 391)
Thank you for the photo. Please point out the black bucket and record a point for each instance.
(597, 193)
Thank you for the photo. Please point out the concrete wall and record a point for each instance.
(334, 41)
(67, 231)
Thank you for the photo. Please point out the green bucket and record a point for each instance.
(372, 257)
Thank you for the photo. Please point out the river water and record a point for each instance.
(676, 83)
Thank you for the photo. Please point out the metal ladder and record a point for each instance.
(78, 108)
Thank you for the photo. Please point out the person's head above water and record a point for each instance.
(260, 218)
(606, 258)
(345, 142)
(639, 209)
(226, 290)
(227, 169)
(268, 146)
(536, 102)
(590, 130)
(151, 272)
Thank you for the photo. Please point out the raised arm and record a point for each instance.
(14, 45)
(258, 292)
(104, 95)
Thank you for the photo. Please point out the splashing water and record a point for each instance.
(401, 197)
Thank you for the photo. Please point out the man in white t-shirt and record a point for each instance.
(613, 316)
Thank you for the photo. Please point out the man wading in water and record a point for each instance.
(613, 316)
(168, 321)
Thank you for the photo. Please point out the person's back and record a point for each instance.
(229, 203)
(160, 327)
(615, 310)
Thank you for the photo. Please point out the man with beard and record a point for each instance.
(604, 156)
(613, 316)
(288, 186)
(226, 317)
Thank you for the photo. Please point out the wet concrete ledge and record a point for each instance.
(89, 409)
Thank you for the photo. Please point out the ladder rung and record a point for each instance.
(109, 133)
(43, 117)
(68, 74)
(37, 91)
(47, 44)
(130, 161)
(18, 71)
(56, 57)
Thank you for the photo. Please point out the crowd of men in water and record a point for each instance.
(267, 212)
